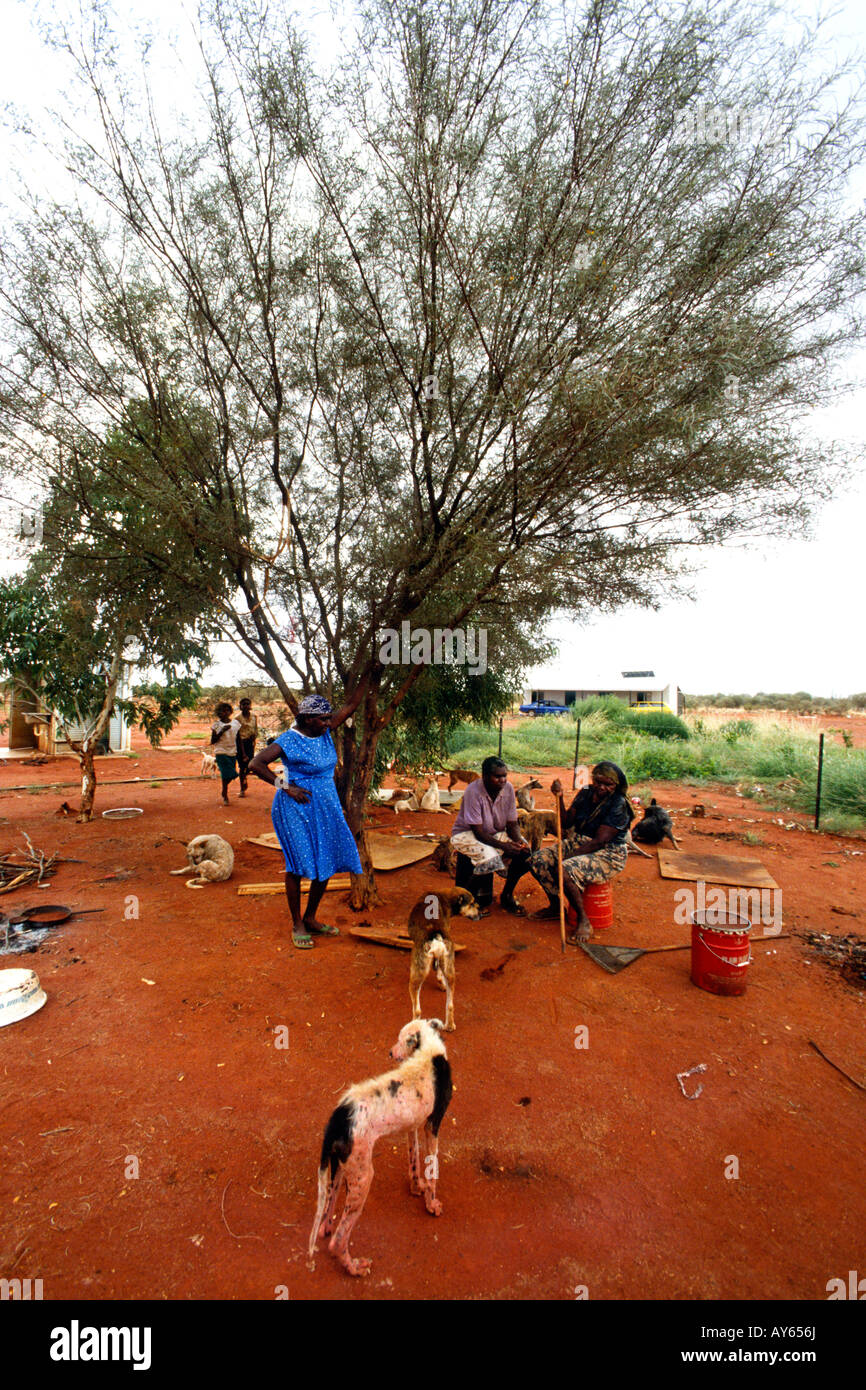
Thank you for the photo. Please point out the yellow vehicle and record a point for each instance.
(644, 705)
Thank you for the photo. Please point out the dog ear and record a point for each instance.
(437, 1025)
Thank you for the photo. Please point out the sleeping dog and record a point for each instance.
(211, 857)
(432, 945)
(415, 1095)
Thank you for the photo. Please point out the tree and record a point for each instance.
(86, 609)
(495, 316)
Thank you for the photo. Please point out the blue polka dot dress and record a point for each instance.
(315, 838)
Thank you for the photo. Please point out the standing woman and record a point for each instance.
(248, 734)
(306, 810)
(224, 743)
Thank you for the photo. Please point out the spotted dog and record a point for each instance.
(432, 947)
(414, 1096)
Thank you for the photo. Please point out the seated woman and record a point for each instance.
(595, 849)
(306, 810)
(487, 833)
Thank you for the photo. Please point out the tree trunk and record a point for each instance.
(90, 742)
(354, 779)
(87, 763)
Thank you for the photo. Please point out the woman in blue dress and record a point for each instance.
(306, 810)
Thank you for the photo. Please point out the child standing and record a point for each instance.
(224, 742)
(248, 734)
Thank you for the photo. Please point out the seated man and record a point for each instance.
(598, 819)
(487, 833)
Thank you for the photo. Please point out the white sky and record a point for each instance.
(780, 616)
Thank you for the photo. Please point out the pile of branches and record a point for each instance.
(846, 953)
(25, 866)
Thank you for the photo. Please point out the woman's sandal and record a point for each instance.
(324, 930)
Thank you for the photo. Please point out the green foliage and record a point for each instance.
(735, 729)
(779, 765)
(434, 710)
(615, 711)
(801, 702)
(659, 724)
(156, 708)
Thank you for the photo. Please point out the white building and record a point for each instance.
(634, 686)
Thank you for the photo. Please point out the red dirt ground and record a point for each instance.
(560, 1167)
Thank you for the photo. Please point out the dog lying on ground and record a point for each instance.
(655, 826)
(432, 946)
(412, 1097)
(211, 857)
(461, 774)
(411, 804)
(208, 765)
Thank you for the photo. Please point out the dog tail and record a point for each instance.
(438, 949)
(337, 1144)
(324, 1188)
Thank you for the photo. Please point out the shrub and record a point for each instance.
(659, 724)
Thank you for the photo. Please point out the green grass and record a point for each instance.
(767, 761)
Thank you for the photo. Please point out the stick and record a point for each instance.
(833, 1064)
(559, 875)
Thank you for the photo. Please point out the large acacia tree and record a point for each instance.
(483, 326)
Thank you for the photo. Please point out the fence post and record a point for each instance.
(500, 735)
(820, 769)
(576, 758)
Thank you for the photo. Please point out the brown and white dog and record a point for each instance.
(412, 1097)
(211, 857)
(432, 947)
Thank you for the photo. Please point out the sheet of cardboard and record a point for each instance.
(387, 851)
(713, 868)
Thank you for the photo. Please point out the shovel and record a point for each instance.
(613, 959)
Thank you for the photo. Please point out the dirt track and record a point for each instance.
(561, 1167)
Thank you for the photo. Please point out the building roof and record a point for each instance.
(575, 678)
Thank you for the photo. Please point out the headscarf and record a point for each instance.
(614, 771)
(315, 704)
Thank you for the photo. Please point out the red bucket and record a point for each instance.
(598, 905)
(721, 953)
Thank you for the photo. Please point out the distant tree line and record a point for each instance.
(801, 702)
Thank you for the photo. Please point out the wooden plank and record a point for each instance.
(258, 890)
(713, 868)
(382, 937)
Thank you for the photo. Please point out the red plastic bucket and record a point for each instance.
(721, 953)
(598, 905)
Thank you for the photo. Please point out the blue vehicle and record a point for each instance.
(543, 707)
